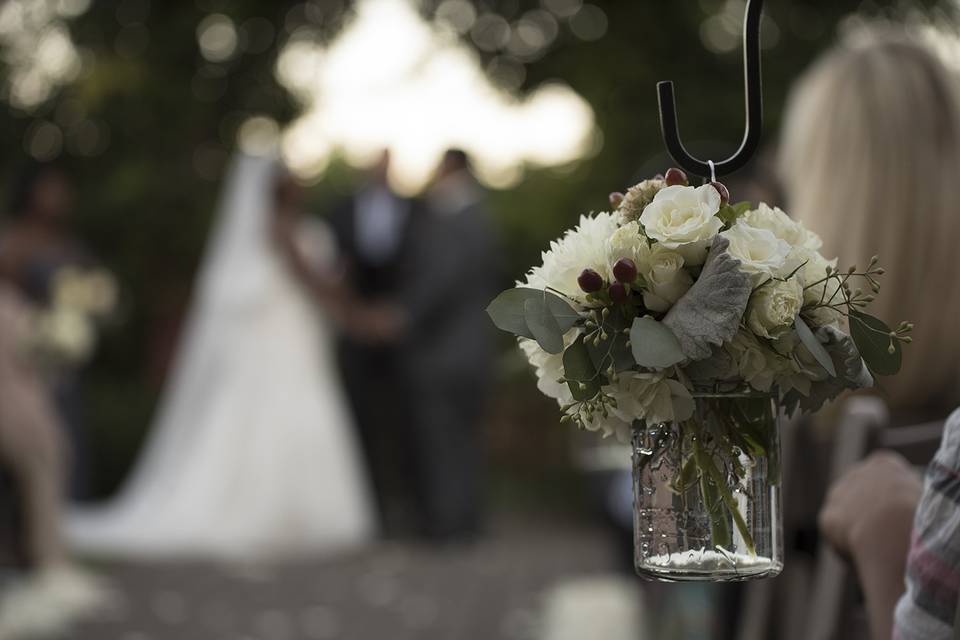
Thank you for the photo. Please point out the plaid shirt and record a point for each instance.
(928, 609)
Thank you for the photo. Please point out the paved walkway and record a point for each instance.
(496, 588)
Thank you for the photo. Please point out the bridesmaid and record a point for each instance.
(33, 247)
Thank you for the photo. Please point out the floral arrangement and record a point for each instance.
(65, 332)
(679, 290)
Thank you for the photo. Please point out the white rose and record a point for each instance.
(666, 279)
(685, 219)
(774, 307)
(627, 241)
(759, 251)
(774, 220)
(651, 397)
(755, 364)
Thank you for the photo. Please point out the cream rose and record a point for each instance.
(665, 277)
(627, 241)
(774, 307)
(684, 219)
(759, 251)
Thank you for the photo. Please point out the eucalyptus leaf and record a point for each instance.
(580, 372)
(508, 311)
(816, 349)
(565, 315)
(872, 337)
(543, 325)
(653, 344)
(709, 314)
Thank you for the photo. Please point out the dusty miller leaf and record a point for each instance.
(852, 373)
(709, 314)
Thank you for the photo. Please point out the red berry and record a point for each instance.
(590, 281)
(625, 270)
(722, 190)
(675, 176)
(615, 199)
(619, 292)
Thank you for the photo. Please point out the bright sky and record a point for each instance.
(393, 80)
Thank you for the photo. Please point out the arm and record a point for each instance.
(867, 517)
(323, 288)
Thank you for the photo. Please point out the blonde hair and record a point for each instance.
(870, 160)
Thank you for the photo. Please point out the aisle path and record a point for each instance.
(500, 587)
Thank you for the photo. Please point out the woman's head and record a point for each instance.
(43, 192)
(870, 159)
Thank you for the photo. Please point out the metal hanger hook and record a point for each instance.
(754, 107)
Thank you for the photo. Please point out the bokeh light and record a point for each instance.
(393, 80)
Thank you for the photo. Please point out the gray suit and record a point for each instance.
(449, 278)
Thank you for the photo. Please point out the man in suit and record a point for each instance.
(419, 365)
(372, 230)
(447, 346)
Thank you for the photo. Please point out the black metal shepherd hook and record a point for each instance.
(754, 108)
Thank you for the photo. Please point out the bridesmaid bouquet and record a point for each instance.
(65, 332)
(680, 308)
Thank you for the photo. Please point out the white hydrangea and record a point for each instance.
(584, 247)
(651, 397)
(755, 363)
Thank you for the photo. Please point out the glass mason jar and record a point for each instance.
(707, 492)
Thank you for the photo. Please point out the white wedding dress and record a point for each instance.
(252, 454)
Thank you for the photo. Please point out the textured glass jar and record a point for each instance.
(707, 492)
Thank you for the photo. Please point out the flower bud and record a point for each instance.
(619, 292)
(674, 177)
(625, 270)
(590, 281)
(722, 190)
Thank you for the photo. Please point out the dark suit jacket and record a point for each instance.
(449, 277)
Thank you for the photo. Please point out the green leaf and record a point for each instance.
(565, 315)
(817, 350)
(872, 337)
(614, 350)
(543, 325)
(580, 372)
(653, 344)
(508, 311)
(730, 212)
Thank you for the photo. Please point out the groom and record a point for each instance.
(372, 230)
(422, 378)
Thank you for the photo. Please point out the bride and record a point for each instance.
(252, 454)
